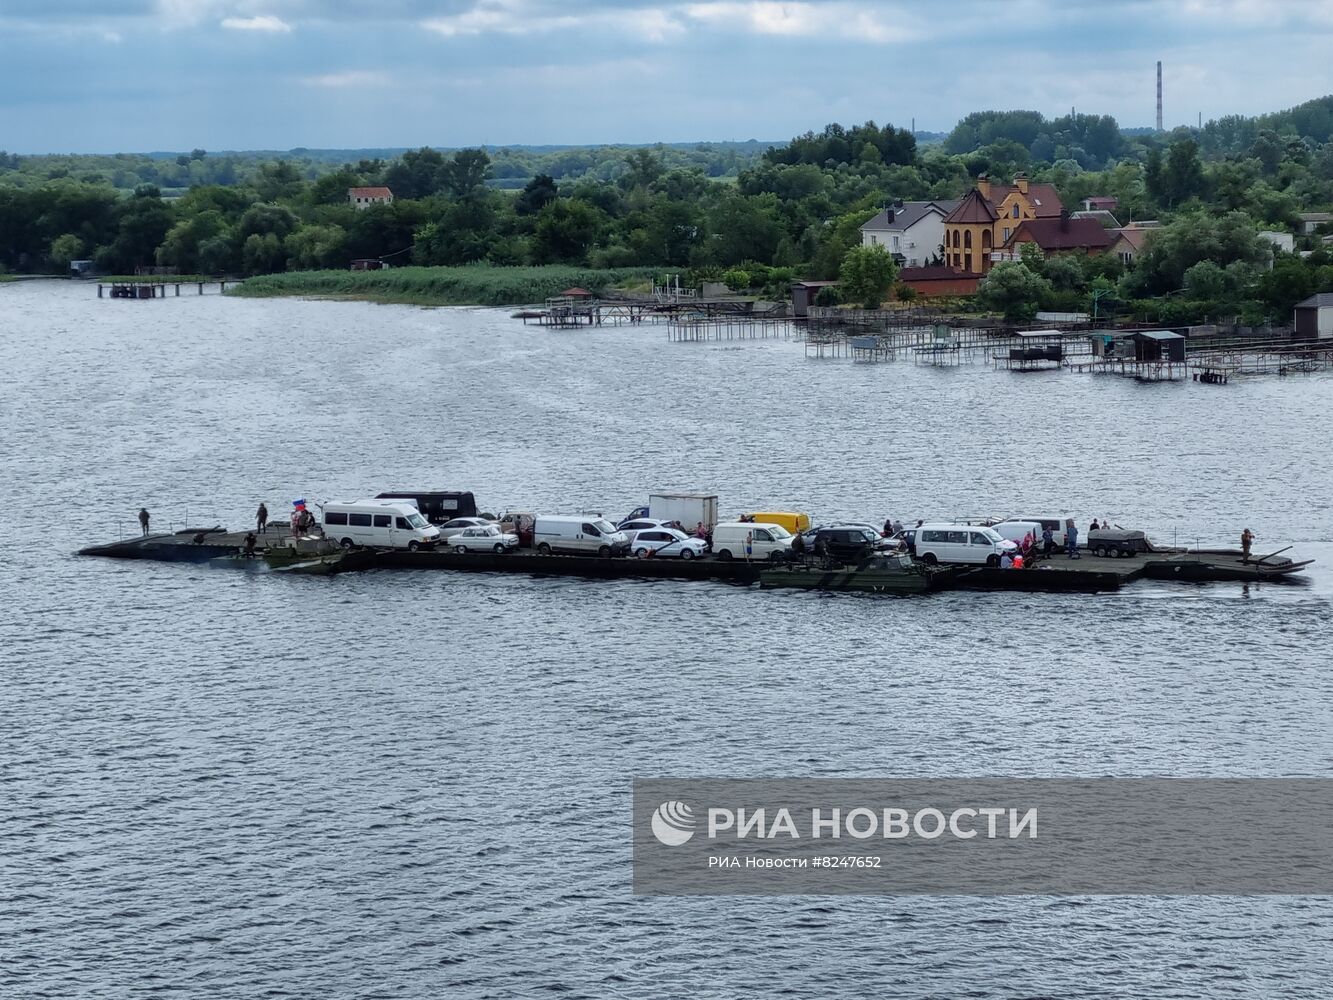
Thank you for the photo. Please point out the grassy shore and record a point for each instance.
(478, 285)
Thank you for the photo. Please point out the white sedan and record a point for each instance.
(665, 542)
(460, 524)
(636, 524)
(486, 538)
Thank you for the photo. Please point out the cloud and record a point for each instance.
(852, 20)
(349, 78)
(527, 17)
(260, 22)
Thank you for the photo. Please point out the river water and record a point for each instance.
(402, 784)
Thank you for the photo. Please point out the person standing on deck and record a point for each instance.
(1071, 539)
(250, 545)
(1047, 541)
(143, 520)
(261, 519)
(1246, 541)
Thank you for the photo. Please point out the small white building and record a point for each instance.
(1311, 221)
(912, 231)
(1314, 317)
(364, 197)
(1280, 241)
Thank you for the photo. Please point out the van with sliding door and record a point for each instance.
(744, 540)
(583, 534)
(379, 523)
(961, 543)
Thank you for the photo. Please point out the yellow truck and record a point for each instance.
(792, 520)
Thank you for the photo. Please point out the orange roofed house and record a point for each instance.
(364, 197)
(988, 217)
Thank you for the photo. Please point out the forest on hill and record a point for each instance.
(756, 215)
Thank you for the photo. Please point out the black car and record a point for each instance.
(846, 543)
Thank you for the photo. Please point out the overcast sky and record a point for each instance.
(138, 75)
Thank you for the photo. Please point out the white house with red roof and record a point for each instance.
(364, 197)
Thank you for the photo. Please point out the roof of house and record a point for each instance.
(1063, 234)
(1102, 201)
(1324, 300)
(973, 208)
(1157, 335)
(1103, 217)
(576, 293)
(369, 192)
(1316, 216)
(1045, 200)
(1133, 236)
(908, 214)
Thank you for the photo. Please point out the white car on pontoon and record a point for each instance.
(486, 538)
(667, 543)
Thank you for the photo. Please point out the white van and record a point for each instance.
(750, 540)
(582, 535)
(1056, 524)
(961, 543)
(1016, 531)
(382, 523)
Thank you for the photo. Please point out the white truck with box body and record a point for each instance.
(584, 534)
(383, 523)
(687, 508)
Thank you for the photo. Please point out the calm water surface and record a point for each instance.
(415, 784)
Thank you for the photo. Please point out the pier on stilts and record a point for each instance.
(154, 287)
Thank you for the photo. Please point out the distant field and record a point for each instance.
(442, 286)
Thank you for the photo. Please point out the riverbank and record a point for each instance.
(478, 285)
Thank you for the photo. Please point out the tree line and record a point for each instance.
(791, 209)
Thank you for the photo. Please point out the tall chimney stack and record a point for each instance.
(1159, 95)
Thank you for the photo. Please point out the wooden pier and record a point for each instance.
(150, 288)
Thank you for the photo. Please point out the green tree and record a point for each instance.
(867, 274)
(1182, 175)
(314, 247)
(466, 173)
(1206, 282)
(1064, 273)
(566, 230)
(180, 247)
(417, 174)
(278, 181)
(64, 249)
(262, 254)
(643, 167)
(536, 195)
(1015, 291)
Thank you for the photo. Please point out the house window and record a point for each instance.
(895, 242)
(1015, 210)
(1006, 234)
(874, 240)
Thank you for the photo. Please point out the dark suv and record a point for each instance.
(847, 543)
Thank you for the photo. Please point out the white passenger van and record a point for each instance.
(750, 540)
(961, 543)
(586, 534)
(1016, 531)
(383, 523)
